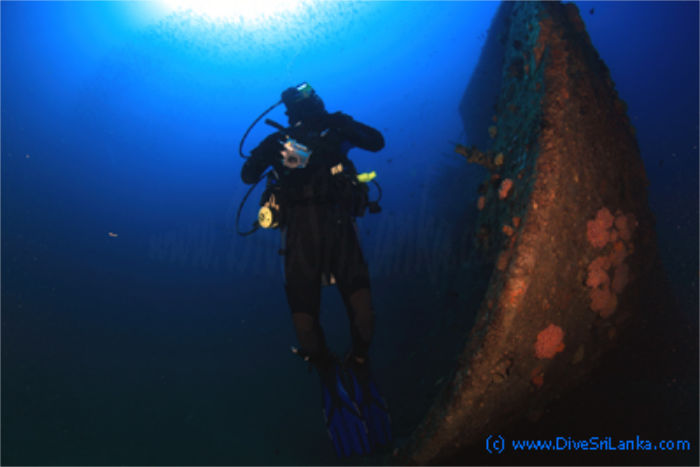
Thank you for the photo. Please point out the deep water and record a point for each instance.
(138, 328)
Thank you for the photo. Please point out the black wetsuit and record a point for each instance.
(321, 237)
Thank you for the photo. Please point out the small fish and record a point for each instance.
(592, 11)
(112, 234)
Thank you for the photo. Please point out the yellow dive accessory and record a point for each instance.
(367, 177)
(364, 177)
(269, 214)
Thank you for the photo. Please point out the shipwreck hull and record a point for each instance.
(577, 297)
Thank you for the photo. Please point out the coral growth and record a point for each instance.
(475, 156)
(505, 187)
(617, 231)
(601, 262)
(603, 301)
(597, 276)
(598, 230)
(514, 291)
(550, 341)
(481, 202)
(618, 254)
(498, 160)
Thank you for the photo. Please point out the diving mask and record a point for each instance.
(297, 94)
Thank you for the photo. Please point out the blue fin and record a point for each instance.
(344, 420)
(373, 407)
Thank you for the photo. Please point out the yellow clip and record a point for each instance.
(366, 176)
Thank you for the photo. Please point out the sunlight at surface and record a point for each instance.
(247, 31)
(237, 11)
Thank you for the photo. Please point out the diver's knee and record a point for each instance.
(363, 313)
(361, 301)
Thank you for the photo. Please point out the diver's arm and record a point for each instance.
(260, 159)
(356, 133)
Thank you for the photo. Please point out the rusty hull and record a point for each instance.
(566, 224)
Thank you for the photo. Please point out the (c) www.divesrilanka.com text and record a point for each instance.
(497, 444)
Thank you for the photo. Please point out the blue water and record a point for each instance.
(137, 328)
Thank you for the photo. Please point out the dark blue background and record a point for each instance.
(168, 343)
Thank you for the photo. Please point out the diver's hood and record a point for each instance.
(302, 103)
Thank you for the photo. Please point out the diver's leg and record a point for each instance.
(361, 314)
(303, 288)
(352, 276)
(353, 284)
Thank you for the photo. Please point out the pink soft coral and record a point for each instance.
(618, 254)
(597, 277)
(603, 301)
(601, 262)
(598, 230)
(550, 341)
(505, 187)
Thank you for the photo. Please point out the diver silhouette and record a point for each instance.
(315, 198)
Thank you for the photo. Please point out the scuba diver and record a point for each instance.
(313, 196)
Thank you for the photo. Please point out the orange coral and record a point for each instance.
(597, 277)
(617, 230)
(550, 341)
(601, 262)
(598, 230)
(481, 202)
(618, 254)
(515, 289)
(603, 301)
(508, 230)
(505, 187)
